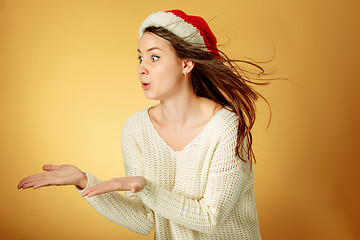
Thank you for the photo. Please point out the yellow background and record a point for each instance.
(69, 83)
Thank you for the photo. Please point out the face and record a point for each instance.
(159, 67)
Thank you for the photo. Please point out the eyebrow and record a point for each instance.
(150, 49)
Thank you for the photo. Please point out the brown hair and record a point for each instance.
(220, 79)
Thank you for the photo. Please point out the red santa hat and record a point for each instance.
(193, 29)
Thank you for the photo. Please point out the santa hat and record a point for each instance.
(193, 29)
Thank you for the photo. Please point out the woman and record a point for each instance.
(188, 159)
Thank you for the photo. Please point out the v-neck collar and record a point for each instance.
(210, 122)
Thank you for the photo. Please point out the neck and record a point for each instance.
(182, 112)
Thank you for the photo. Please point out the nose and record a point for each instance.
(142, 69)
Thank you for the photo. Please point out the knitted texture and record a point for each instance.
(193, 29)
(201, 192)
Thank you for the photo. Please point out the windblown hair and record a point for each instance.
(220, 79)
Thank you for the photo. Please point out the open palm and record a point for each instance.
(55, 175)
(132, 184)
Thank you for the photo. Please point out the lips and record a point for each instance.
(145, 85)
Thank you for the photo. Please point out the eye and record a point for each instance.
(154, 58)
(140, 59)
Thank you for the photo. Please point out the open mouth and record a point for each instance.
(145, 85)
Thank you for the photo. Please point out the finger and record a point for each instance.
(89, 193)
(42, 184)
(49, 167)
(29, 185)
(40, 177)
(85, 192)
(24, 180)
(100, 188)
(94, 191)
(32, 178)
(42, 174)
(20, 185)
(38, 183)
(135, 187)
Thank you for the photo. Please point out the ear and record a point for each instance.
(188, 65)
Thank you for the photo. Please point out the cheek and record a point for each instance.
(170, 72)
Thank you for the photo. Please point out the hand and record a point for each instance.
(55, 175)
(132, 184)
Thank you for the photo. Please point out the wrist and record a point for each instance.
(141, 183)
(83, 180)
(147, 189)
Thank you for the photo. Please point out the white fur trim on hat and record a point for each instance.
(174, 24)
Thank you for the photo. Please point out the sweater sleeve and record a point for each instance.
(126, 210)
(227, 178)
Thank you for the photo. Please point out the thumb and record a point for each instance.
(49, 167)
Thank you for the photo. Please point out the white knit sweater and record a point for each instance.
(201, 192)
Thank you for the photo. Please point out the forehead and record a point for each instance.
(150, 40)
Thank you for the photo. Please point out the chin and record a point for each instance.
(150, 97)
